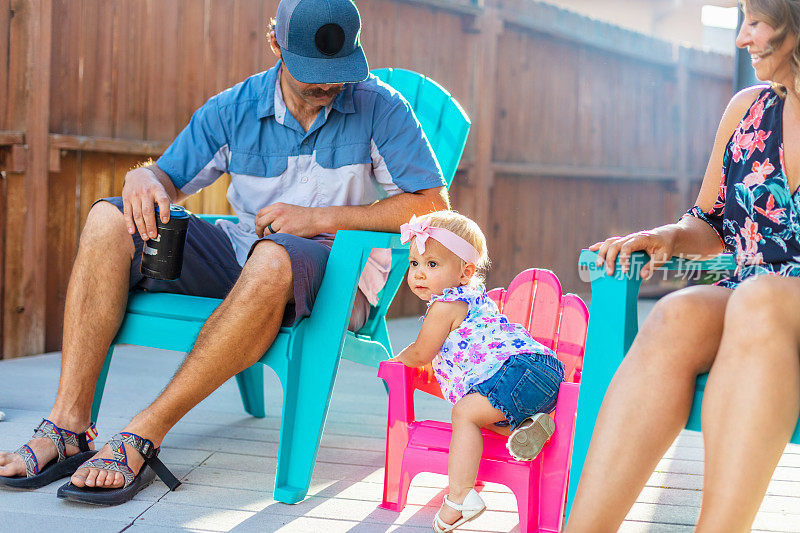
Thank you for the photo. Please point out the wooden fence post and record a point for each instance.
(485, 82)
(26, 219)
(2, 252)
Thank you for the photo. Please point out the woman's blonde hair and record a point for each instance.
(468, 230)
(784, 16)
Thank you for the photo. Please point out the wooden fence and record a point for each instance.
(580, 129)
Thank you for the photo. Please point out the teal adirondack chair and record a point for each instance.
(613, 324)
(306, 356)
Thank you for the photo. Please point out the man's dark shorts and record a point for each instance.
(210, 268)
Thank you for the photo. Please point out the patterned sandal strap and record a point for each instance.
(30, 460)
(119, 463)
(150, 453)
(60, 438)
(112, 466)
(81, 440)
(47, 429)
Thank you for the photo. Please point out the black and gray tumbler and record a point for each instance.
(162, 257)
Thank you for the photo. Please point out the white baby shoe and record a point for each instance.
(525, 442)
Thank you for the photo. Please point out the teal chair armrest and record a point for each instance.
(587, 264)
(348, 257)
(213, 218)
(366, 240)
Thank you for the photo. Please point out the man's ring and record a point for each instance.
(269, 227)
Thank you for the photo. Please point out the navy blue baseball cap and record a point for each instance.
(320, 40)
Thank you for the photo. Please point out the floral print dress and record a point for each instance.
(479, 346)
(756, 215)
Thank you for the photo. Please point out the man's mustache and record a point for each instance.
(322, 93)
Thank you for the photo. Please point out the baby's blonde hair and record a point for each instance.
(468, 230)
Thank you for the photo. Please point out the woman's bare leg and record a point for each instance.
(751, 401)
(647, 404)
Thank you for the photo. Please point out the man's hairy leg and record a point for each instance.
(235, 336)
(96, 297)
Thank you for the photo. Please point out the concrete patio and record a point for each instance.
(226, 460)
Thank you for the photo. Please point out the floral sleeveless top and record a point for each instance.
(479, 346)
(756, 215)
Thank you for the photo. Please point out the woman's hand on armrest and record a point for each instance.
(658, 243)
(689, 235)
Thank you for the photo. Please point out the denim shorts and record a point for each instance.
(526, 384)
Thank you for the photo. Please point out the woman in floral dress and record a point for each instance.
(744, 330)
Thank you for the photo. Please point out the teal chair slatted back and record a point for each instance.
(443, 120)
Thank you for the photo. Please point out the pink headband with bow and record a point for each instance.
(421, 229)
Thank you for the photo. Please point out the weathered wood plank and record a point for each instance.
(62, 243)
(26, 230)
(97, 181)
(107, 145)
(582, 171)
(191, 67)
(3, 211)
(249, 21)
(67, 69)
(160, 44)
(486, 80)
(8, 138)
(94, 97)
(129, 87)
(5, 23)
(219, 47)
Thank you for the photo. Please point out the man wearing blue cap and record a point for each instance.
(312, 145)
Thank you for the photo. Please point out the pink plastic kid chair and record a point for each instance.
(559, 322)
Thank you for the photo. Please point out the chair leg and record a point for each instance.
(395, 491)
(610, 334)
(556, 460)
(396, 480)
(382, 336)
(306, 396)
(101, 384)
(251, 388)
(526, 492)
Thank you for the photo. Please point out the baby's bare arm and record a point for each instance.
(442, 318)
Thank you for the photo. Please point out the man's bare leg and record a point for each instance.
(235, 336)
(95, 304)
